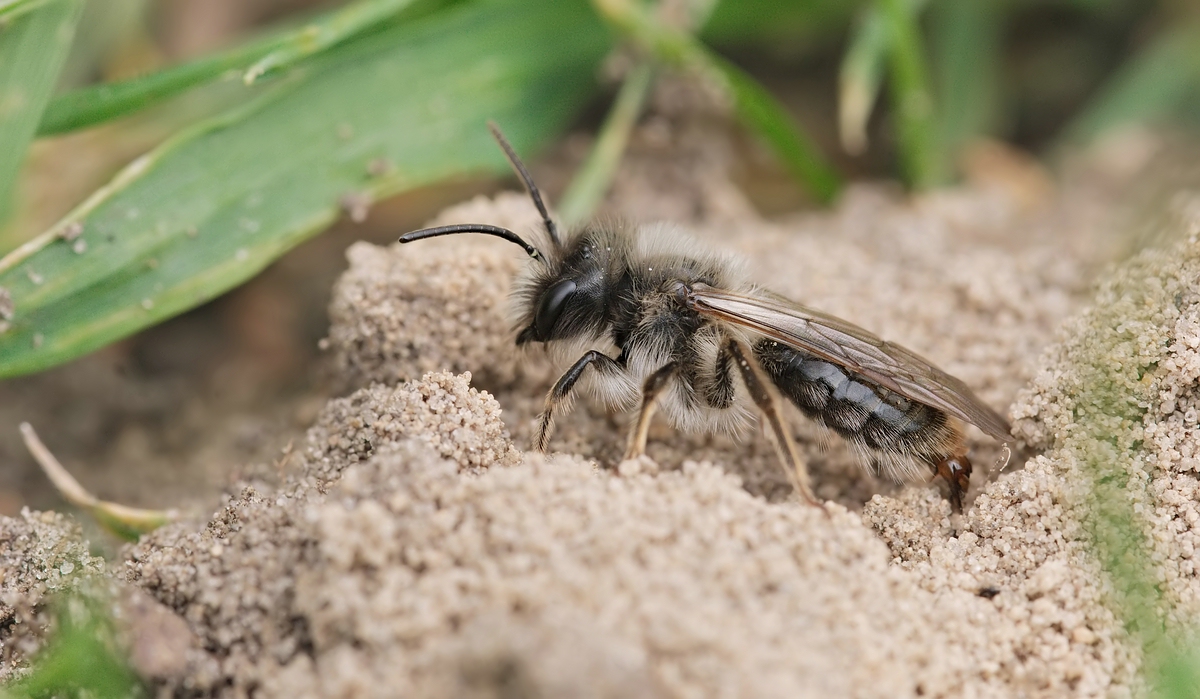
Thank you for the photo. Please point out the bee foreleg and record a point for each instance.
(559, 397)
(653, 386)
(760, 392)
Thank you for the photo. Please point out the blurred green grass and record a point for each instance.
(80, 658)
(33, 47)
(211, 207)
(939, 62)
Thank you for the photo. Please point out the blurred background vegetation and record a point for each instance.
(155, 154)
(178, 148)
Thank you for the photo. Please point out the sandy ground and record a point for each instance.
(411, 547)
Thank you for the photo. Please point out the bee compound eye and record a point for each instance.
(551, 307)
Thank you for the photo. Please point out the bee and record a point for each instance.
(654, 319)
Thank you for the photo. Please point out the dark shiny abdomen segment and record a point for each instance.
(850, 405)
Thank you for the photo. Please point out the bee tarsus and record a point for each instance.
(653, 385)
(956, 471)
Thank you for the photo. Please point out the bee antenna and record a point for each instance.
(473, 228)
(519, 167)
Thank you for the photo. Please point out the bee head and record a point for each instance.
(565, 298)
(561, 296)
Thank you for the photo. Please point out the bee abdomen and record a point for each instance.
(852, 406)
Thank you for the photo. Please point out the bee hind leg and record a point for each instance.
(956, 470)
(651, 389)
(757, 384)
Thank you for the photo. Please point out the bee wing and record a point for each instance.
(847, 345)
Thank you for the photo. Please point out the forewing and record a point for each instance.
(845, 344)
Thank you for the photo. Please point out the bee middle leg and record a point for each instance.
(559, 397)
(785, 446)
(652, 387)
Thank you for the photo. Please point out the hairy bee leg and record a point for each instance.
(559, 397)
(757, 385)
(718, 389)
(957, 472)
(650, 390)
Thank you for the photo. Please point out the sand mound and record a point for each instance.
(423, 576)
(381, 565)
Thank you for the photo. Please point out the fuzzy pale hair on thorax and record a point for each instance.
(621, 243)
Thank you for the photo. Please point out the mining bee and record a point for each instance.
(652, 316)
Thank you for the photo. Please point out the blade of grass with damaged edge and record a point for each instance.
(96, 104)
(92, 105)
(756, 108)
(32, 51)
(210, 208)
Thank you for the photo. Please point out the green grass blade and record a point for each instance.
(32, 51)
(325, 33)
(753, 22)
(269, 53)
(80, 657)
(912, 101)
(756, 108)
(99, 103)
(764, 115)
(389, 112)
(12, 9)
(966, 43)
(592, 181)
(861, 78)
(1149, 88)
